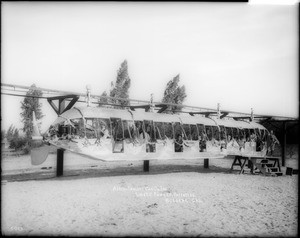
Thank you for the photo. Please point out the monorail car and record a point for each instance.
(109, 134)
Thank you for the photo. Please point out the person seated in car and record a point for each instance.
(241, 143)
(223, 143)
(179, 144)
(104, 132)
(253, 137)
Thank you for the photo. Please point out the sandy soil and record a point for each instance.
(175, 198)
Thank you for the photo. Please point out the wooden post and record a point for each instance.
(206, 163)
(61, 105)
(289, 171)
(60, 162)
(283, 146)
(146, 165)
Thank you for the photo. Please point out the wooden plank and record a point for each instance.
(243, 165)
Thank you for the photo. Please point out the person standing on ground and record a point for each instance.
(272, 139)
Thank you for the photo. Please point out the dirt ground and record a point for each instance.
(175, 198)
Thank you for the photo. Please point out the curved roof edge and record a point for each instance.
(101, 112)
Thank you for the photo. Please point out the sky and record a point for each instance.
(240, 55)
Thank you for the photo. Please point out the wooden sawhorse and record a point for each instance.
(238, 161)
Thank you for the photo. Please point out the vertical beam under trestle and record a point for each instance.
(206, 163)
(146, 165)
(60, 162)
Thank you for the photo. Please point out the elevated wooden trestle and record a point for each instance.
(73, 97)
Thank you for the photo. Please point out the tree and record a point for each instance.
(120, 89)
(174, 94)
(16, 133)
(103, 100)
(10, 133)
(29, 105)
(17, 142)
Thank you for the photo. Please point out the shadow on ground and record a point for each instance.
(100, 171)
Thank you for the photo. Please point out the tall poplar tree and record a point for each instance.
(120, 89)
(174, 94)
(30, 104)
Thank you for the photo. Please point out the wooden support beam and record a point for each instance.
(243, 165)
(53, 106)
(71, 104)
(60, 162)
(146, 165)
(163, 108)
(224, 115)
(62, 107)
(206, 163)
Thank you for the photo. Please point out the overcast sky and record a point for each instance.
(239, 55)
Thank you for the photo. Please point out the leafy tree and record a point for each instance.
(29, 105)
(18, 143)
(10, 133)
(16, 133)
(103, 100)
(120, 88)
(15, 141)
(174, 94)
